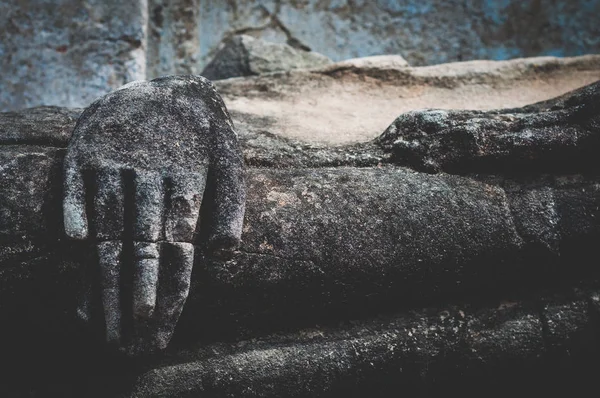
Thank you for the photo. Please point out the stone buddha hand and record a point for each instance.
(142, 162)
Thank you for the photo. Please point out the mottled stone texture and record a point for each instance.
(47, 125)
(152, 153)
(173, 37)
(68, 52)
(350, 281)
(423, 31)
(555, 134)
(309, 275)
(354, 101)
(244, 55)
(517, 347)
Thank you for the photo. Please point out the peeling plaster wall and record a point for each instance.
(423, 31)
(68, 52)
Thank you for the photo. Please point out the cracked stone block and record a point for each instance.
(246, 56)
(68, 52)
(424, 31)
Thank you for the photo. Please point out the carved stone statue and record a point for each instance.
(148, 149)
(507, 196)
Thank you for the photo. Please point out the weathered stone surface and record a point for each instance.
(347, 241)
(68, 52)
(173, 38)
(152, 153)
(576, 334)
(347, 103)
(561, 134)
(357, 262)
(42, 125)
(375, 61)
(27, 178)
(466, 347)
(423, 31)
(316, 252)
(368, 224)
(246, 56)
(29, 232)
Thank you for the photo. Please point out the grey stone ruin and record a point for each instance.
(455, 251)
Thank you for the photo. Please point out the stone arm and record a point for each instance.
(33, 139)
(326, 238)
(331, 244)
(556, 136)
(539, 214)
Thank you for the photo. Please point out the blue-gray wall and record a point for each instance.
(66, 52)
(423, 31)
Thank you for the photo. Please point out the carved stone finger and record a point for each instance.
(145, 278)
(74, 211)
(149, 206)
(185, 199)
(109, 255)
(173, 290)
(109, 204)
(228, 207)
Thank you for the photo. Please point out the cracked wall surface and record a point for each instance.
(173, 37)
(423, 31)
(68, 52)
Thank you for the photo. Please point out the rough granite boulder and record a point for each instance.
(246, 56)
